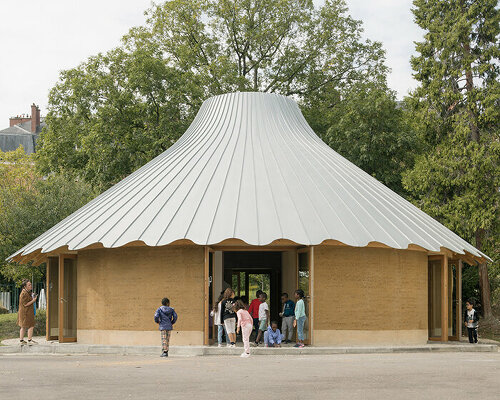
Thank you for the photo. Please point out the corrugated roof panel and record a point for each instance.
(249, 167)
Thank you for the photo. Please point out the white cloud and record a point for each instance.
(41, 38)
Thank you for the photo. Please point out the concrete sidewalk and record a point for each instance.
(12, 346)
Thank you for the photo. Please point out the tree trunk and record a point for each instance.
(484, 280)
(484, 285)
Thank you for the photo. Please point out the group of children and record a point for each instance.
(232, 316)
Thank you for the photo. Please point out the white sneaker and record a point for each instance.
(245, 355)
(232, 346)
(228, 345)
(219, 345)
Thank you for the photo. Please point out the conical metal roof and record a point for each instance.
(249, 167)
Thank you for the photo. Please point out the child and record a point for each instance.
(272, 337)
(471, 319)
(300, 317)
(245, 322)
(263, 317)
(254, 311)
(165, 317)
(287, 316)
(217, 315)
(229, 316)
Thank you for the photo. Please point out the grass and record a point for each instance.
(10, 330)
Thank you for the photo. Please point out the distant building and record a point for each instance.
(23, 130)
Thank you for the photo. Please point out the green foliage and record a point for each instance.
(368, 128)
(29, 206)
(118, 110)
(456, 114)
(10, 330)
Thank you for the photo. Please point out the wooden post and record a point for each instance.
(311, 294)
(444, 299)
(60, 296)
(47, 311)
(205, 298)
(459, 299)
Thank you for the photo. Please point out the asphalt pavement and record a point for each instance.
(351, 376)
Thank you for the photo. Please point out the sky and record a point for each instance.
(38, 39)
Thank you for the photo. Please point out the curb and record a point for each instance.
(197, 351)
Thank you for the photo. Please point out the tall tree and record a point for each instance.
(118, 110)
(457, 106)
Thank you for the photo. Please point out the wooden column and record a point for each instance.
(60, 295)
(205, 299)
(444, 299)
(47, 310)
(311, 294)
(459, 299)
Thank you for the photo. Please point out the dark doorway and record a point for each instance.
(248, 271)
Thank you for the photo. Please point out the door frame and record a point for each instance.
(446, 299)
(310, 299)
(208, 285)
(48, 337)
(62, 338)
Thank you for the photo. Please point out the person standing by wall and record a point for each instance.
(26, 313)
(287, 316)
(471, 319)
(165, 317)
(219, 323)
(229, 316)
(300, 317)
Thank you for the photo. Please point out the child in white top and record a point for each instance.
(263, 317)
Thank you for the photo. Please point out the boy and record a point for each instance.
(263, 317)
(165, 317)
(471, 319)
(272, 337)
(287, 317)
(254, 311)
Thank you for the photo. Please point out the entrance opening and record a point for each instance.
(248, 271)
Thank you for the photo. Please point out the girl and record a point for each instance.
(216, 314)
(229, 316)
(245, 322)
(300, 317)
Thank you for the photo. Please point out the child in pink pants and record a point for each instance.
(245, 322)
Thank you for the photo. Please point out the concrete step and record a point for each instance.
(192, 351)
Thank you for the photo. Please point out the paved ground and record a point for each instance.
(358, 376)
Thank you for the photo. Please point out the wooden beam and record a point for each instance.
(444, 299)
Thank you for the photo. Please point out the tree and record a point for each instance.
(116, 111)
(368, 127)
(457, 106)
(30, 205)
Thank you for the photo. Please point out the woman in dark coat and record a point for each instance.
(26, 313)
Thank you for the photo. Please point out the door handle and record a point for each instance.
(63, 300)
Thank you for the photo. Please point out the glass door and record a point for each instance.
(444, 280)
(454, 277)
(52, 323)
(434, 314)
(304, 283)
(67, 298)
